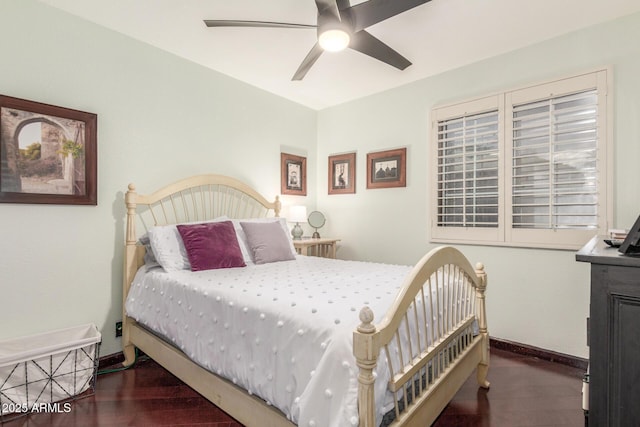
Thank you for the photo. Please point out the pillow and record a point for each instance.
(211, 245)
(267, 242)
(168, 248)
(242, 238)
(149, 257)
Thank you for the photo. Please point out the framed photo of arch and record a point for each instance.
(47, 154)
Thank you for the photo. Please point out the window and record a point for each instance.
(524, 168)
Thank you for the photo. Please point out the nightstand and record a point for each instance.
(322, 247)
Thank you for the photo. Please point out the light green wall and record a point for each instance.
(537, 297)
(160, 118)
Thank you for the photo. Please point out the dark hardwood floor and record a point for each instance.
(525, 391)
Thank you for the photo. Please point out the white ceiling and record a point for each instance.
(435, 37)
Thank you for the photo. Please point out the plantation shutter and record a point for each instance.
(554, 163)
(529, 167)
(468, 169)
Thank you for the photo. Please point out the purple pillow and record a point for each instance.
(267, 242)
(211, 245)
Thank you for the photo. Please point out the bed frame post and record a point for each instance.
(130, 268)
(365, 350)
(277, 206)
(483, 366)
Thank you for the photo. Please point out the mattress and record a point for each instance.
(282, 331)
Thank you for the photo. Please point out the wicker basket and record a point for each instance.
(39, 372)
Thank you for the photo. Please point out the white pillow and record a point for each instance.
(245, 247)
(168, 247)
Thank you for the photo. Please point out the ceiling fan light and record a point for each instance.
(334, 40)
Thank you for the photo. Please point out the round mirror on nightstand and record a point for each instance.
(316, 220)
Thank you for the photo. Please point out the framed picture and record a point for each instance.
(387, 169)
(293, 174)
(342, 174)
(48, 154)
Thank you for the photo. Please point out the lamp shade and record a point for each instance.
(298, 214)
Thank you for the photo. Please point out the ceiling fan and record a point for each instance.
(341, 25)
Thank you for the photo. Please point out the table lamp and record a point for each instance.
(297, 214)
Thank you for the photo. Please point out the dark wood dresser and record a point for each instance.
(614, 341)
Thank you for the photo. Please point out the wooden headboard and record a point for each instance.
(198, 198)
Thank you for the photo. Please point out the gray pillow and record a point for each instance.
(150, 260)
(267, 242)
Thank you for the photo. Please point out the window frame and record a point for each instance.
(504, 234)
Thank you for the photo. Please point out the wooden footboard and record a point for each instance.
(428, 338)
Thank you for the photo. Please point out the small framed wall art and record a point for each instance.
(387, 169)
(342, 174)
(48, 154)
(293, 174)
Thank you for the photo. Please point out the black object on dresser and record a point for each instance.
(614, 338)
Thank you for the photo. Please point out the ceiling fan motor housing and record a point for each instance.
(333, 34)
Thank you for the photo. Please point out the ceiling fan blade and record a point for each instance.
(256, 24)
(371, 12)
(308, 61)
(328, 7)
(369, 45)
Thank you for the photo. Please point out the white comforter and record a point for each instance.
(282, 331)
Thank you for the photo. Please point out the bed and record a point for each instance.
(298, 341)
